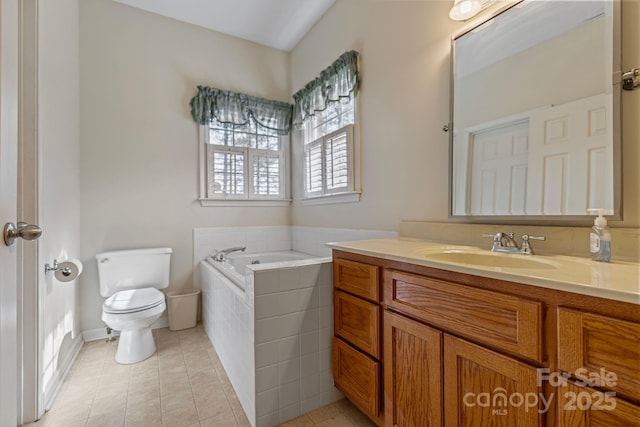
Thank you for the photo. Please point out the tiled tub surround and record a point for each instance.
(274, 337)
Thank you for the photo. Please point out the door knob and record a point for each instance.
(23, 230)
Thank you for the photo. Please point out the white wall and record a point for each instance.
(139, 176)
(59, 145)
(404, 102)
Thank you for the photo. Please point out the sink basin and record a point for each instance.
(491, 260)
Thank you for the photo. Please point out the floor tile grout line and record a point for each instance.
(189, 379)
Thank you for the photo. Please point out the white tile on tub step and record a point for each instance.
(267, 354)
(265, 282)
(289, 348)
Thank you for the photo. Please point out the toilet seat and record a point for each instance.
(133, 300)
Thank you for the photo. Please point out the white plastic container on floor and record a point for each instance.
(183, 308)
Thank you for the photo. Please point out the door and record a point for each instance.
(8, 208)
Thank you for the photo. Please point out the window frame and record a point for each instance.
(328, 196)
(247, 198)
(322, 142)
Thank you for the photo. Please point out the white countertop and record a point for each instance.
(615, 280)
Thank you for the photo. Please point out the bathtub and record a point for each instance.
(271, 324)
(235, 267)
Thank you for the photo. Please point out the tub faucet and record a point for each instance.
(221, 255)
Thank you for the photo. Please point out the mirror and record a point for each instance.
(535, 113)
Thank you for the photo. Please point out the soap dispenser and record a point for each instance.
(600, 238)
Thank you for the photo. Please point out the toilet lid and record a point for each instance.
(133, 300)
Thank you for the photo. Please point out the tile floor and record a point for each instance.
(183, 384)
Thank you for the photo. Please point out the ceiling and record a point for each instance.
(275, 23)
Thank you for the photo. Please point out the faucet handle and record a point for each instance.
(496, 236)
(497, 240)
(526, 247)
(217, 255)
(527, 237)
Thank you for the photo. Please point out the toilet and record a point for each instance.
(131, 281)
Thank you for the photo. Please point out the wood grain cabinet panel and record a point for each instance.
(412, 373)
(357, 376)
(358, 322)
(595, 346)
(357, 278)
(485, 388)
(587, 407)
(503, 321)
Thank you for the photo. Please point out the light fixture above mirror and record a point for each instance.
(465, 9)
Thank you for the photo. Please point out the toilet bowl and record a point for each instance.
(132, 312)
(131, 281)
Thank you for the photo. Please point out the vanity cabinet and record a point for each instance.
(357, 365)
(463, 350)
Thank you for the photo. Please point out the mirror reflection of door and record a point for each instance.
(499, 170)
(548, 64)
(571, 170)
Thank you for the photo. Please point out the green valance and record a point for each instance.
(338, 82)
(237, 109)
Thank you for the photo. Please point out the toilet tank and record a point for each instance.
(133, 269)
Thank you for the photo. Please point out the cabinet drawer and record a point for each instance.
(358, 322)
(591, 342)
(357, 278)
(357, 376)
(502, 321)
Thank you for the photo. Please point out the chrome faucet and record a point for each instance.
(221, 255)
(506, 243)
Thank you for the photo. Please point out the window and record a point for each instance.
(244, 162)
(244, 148)
(326, 111)
(329, 151)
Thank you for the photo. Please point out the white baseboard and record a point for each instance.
(101, 333)
(61, 374)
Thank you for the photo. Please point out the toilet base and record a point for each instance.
(135, 345)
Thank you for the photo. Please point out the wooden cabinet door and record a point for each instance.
(412, 373)
(358, 377)
(588, 407)
(485, 388)
(600, 347)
